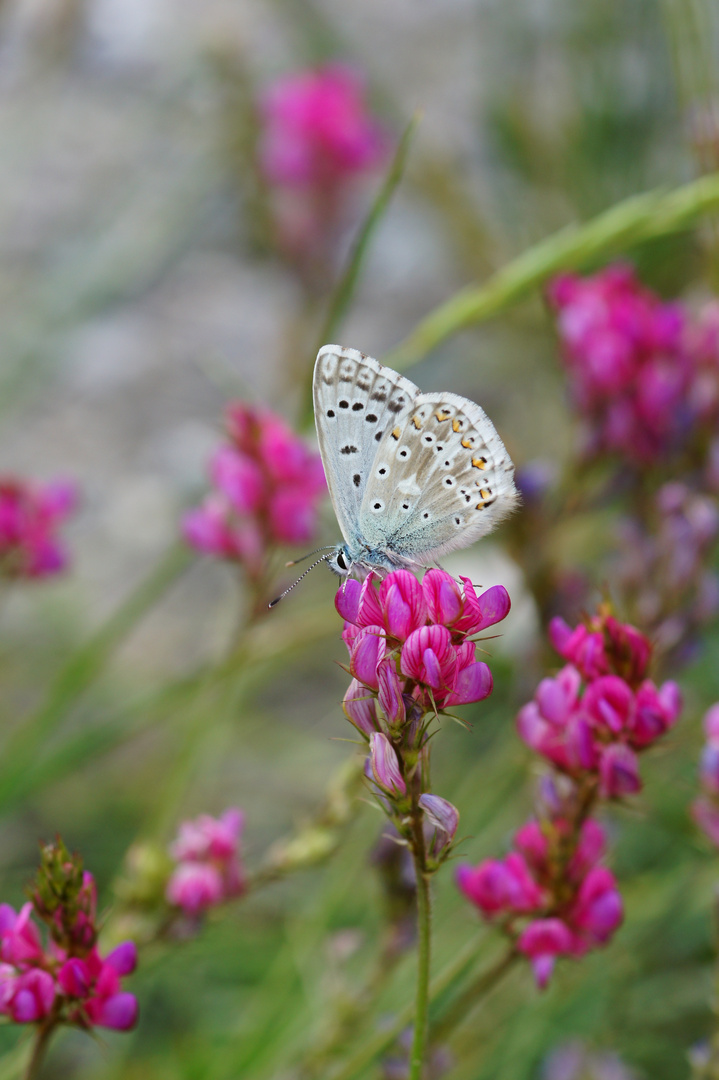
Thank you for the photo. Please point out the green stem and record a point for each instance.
(635, 220)
(42, 1039)
(421, 1008)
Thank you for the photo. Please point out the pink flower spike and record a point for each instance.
(558, 697)
(390, 692)
(360, 709)
(385, 766)
(404, 609)
(618, 772)
(480, 612)
(29, 996)
(368, 650)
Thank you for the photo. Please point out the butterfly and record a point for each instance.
(411, 475)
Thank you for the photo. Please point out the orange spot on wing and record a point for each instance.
(396, 433)
(478, 462)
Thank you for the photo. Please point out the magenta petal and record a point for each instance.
(118, 1012)
(485, 610)
(123, 958)
(360, 709)
(74, 978)
(367, 651)
(390, 691)
(25, 1007)
(347, 600)
(474, 683)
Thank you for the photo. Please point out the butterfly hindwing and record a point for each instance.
(441, 479)
(356, 401)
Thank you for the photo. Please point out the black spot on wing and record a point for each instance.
(348, 449)
(356, 479)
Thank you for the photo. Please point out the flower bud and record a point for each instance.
(618, 772)
(385, 765)
(390, 692)
(443, 817)
(360, 708)
(368, 649)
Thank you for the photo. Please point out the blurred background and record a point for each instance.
(140, 289)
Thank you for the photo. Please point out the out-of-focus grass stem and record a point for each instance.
(637, 219)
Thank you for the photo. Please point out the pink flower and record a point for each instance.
(442, 819)
(429, 658)
(194, 887)
(20, 941)
(598, 909)
(317, 129)
(496, 886)
(629, 367)
(26, 996)
(238, 478)
(30, 516)
(610, 704)
(390, 696)
(360, 708)
(96, 984)
(267, 485)
(368, 649)
(483, 611)
(543, 941)
(618, 772)
(385, 765)
(208, 870)
(401, 599)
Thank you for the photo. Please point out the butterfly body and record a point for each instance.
(411, 475)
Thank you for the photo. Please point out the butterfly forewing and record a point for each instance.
(441, 478)
(356, 404)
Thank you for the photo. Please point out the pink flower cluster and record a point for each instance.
(550, 893)
(317, 130)
(705, 809)
(317, 138)
(74, 983)
(629, 366)
(30, 515)
(208, 870)
(411, 647)
(592, 719)
(267, 486)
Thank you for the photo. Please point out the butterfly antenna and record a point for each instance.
(294, 562)
(299, 579)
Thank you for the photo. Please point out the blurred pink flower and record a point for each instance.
(30, 516)
(267, 486)
(208, 870)
(317, 129)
